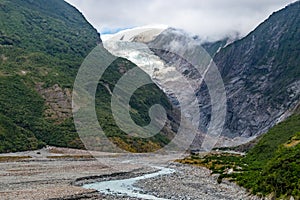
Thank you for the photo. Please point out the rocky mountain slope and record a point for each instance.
(261, 72)
(169, 56)
(42, 45)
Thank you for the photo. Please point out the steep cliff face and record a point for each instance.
(261, 73)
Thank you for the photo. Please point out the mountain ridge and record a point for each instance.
(260, 72)
(268, 67)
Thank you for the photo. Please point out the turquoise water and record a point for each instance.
(125, 186)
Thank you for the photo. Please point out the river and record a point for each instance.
(126, 186)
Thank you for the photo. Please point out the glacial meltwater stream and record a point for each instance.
(126, 186)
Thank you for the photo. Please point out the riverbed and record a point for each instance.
(58, 173)
(128, 186)
(173, 182)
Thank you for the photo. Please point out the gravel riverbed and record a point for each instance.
(189, 182)
(58, 174)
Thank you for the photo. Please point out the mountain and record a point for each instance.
(262, 75)
(40, 53)
(42, 46)
(260, 72)
(168, 56)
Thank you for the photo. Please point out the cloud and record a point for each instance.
(210, 19)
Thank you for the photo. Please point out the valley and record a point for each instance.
(149, 113)
(59, 173)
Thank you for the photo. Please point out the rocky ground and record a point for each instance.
(50, 173)
(190, 182)
(57, 174)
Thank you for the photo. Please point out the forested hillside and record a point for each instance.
(42, 45)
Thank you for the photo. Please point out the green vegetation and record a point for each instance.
(43, 43)
(272, 166)
(14, 138)
(49, 26)
(140, 103)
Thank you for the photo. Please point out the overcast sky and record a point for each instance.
(210, 19)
